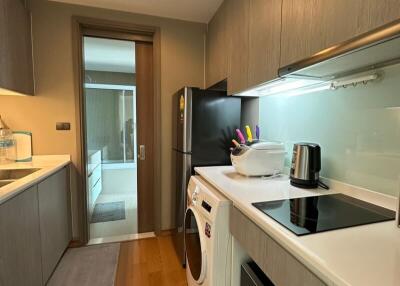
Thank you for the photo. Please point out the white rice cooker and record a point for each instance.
(259, 158)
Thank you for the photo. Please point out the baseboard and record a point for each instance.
(121, 238)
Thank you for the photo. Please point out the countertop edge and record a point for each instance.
(297, 251)
(48, 168)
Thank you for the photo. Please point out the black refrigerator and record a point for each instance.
(204, 124)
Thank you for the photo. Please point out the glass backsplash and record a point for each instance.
(358, 129)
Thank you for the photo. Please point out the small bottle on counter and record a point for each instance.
(7, 144)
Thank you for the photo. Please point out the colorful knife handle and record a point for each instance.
(240, 136)
(235, 143)
(249, 135)
(257, 132)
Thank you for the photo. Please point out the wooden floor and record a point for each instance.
(149, 262)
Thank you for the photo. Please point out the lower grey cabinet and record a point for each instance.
(278, 264)
(20, 256)
(35, 230)
(54, 220)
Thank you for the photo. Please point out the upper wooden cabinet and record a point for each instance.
(264, 39)
(309, 26)
(248, 40)
(375, 13)
(238, 44)
(16, 64)
(253, 32)
(216, 47)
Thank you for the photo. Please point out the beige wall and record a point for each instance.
(182, 59)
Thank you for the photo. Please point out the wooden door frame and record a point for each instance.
(120, 31)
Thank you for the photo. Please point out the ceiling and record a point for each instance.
(189, 10)
(109, 55)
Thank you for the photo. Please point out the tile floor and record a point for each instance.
(118, 185)
(118, 227)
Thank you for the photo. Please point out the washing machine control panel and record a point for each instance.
(206, 206)
(195, 196)
(200, 197)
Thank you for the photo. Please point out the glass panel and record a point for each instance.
(358, 129)
(111, 124)
(193, 244)
(129, 102)
(104, 119)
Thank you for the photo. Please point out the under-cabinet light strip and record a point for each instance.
(299, 86)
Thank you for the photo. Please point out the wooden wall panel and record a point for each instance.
(145, 121)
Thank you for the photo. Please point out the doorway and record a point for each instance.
(111, 136)
(117, 120)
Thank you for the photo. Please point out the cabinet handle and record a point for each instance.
(142, 152)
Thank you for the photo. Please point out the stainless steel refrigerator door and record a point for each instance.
(183, 117)
(181, 178)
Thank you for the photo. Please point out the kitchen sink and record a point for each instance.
(5, 182)
(7, 175)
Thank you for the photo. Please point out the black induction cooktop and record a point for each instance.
(322, 213)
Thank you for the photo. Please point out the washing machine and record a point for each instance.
(208, 241)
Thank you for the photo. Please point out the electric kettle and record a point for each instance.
(306, 165)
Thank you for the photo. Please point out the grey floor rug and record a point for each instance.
(87, 266)
(104, 212)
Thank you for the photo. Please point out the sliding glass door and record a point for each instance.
(111, 137)
(111, 122)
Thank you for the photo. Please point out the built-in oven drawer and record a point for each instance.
(277, 263)
(252, 275)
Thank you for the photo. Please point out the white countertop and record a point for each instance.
(362, 255)
(48, 165)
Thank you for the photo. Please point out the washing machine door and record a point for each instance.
(195, 245)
